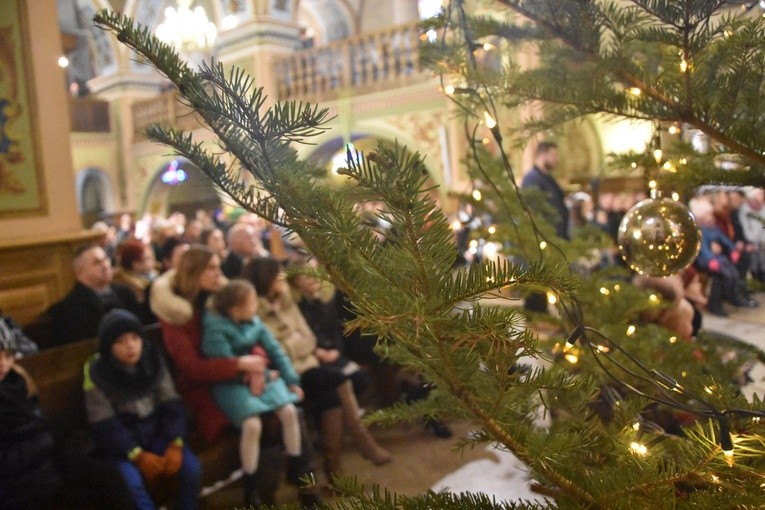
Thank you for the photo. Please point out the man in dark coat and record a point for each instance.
(77, 315)
(540, 176)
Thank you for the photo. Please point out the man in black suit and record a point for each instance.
(77, 315)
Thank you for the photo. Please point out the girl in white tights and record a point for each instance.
(233, 328)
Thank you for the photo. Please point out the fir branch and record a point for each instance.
(682, 110)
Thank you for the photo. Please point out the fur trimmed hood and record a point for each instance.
(166, 304)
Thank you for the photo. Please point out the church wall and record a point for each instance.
(36, 251)
(47, 87)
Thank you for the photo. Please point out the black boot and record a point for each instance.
(298, 468)
(299, 471)
(309, 497)
(251, 490)
(716, 296)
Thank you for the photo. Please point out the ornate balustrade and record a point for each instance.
(163, 109)
(366, 63)
(370, 62)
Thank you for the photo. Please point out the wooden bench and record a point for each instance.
(58, 375)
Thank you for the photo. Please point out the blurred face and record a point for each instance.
(755, 198)
(245, 310)
(146, 264)
(211, 279)
(216, 241)
(720, 201)
(127, 348)
(6, 362)
(193, 229)
(93, 269)
(735, 199)
(245, 241)
(306, 285)
(549, 159)
(278, 287)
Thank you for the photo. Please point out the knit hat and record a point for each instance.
(113, 324)
(130, 251)
(7, 338)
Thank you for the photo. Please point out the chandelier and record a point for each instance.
(187, 30)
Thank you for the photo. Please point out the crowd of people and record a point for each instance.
(731, 220)
(241, 344)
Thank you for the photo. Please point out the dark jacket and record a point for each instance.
(76, 317)
(232, 266)
(535, 178)
(325, 321)
(27, 467)
(119, 422)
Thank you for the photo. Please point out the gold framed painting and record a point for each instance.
(21, 185)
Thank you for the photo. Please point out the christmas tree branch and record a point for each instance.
(683, 111)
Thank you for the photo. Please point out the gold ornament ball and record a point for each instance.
(659, 237)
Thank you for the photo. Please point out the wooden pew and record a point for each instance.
(58, 375)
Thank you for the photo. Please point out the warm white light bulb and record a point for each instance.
(728, 457)
(639, 448)
(489, 120)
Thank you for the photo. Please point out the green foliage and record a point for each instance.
(694, 62)
(406, 290)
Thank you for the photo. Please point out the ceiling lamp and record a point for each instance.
(186, 29)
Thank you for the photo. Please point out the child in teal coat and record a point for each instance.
(233, 329)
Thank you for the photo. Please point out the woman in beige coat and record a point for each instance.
(328, 392)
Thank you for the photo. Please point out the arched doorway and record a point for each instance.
(94, 195)
(179, 186)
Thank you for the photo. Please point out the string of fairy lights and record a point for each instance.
(667, 390)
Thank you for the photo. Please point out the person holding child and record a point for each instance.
(234, 329)
(178, 298)
(135, 415)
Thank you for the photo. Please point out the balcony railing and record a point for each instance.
(366, 63)
(371, 62)
(164, 109)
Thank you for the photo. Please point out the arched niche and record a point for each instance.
(580, 154)
(180, 186)
(325, 21)
(95, 197)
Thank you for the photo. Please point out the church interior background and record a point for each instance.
(89, 100)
